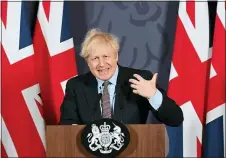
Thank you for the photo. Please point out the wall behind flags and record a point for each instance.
(146, 31)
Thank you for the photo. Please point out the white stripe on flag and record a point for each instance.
(7, 140)
(221, 11)
(51, 28)
(192, 129)
(212, 70)
(173, 72)
(199, 32)
(30, 95)
(214, 114)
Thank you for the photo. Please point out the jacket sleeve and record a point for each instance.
(68, 109)
(169, 112)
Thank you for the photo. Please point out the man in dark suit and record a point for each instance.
(112, 91)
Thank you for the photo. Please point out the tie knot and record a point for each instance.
(106, 83)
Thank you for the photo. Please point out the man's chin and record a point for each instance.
(104, 77)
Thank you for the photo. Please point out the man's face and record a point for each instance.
(102, 61)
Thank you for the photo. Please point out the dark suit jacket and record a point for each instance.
(81, 101)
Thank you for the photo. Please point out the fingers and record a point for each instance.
(135, 91)
(138, 77)
(140, 86)
(133, 81)
(134, 86)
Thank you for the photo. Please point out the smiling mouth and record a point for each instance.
(104, 71)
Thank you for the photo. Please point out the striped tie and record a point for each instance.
(106, 101)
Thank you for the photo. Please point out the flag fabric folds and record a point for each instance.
(55, 57)
(34, 74)
(197, 82)
(214, 134)
(21, 115)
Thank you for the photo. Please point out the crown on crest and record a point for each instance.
(93, 125)
(105, 128)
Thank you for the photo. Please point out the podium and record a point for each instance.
(146, 140)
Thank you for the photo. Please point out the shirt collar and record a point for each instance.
(112, 80)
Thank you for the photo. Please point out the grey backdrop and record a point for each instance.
(145, 29)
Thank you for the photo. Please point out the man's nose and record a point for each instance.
(101, 62)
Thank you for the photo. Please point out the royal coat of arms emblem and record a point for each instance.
(103, 140)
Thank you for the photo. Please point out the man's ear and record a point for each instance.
(86, 59)
(116, 56)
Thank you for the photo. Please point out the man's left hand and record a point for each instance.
(142, 87)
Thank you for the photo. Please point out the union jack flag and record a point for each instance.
(197, 82)
(34, 74)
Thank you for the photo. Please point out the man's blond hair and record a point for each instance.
(96, 35)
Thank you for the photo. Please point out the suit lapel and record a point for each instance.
(119, 101)
(91, 94)
(120, 96)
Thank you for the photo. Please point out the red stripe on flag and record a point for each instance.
(40, 108)
(46, 6)
(190, 8)
(199, 148)
(3, 152)
(4, 5)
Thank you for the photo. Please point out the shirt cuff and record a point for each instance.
(156, 100)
